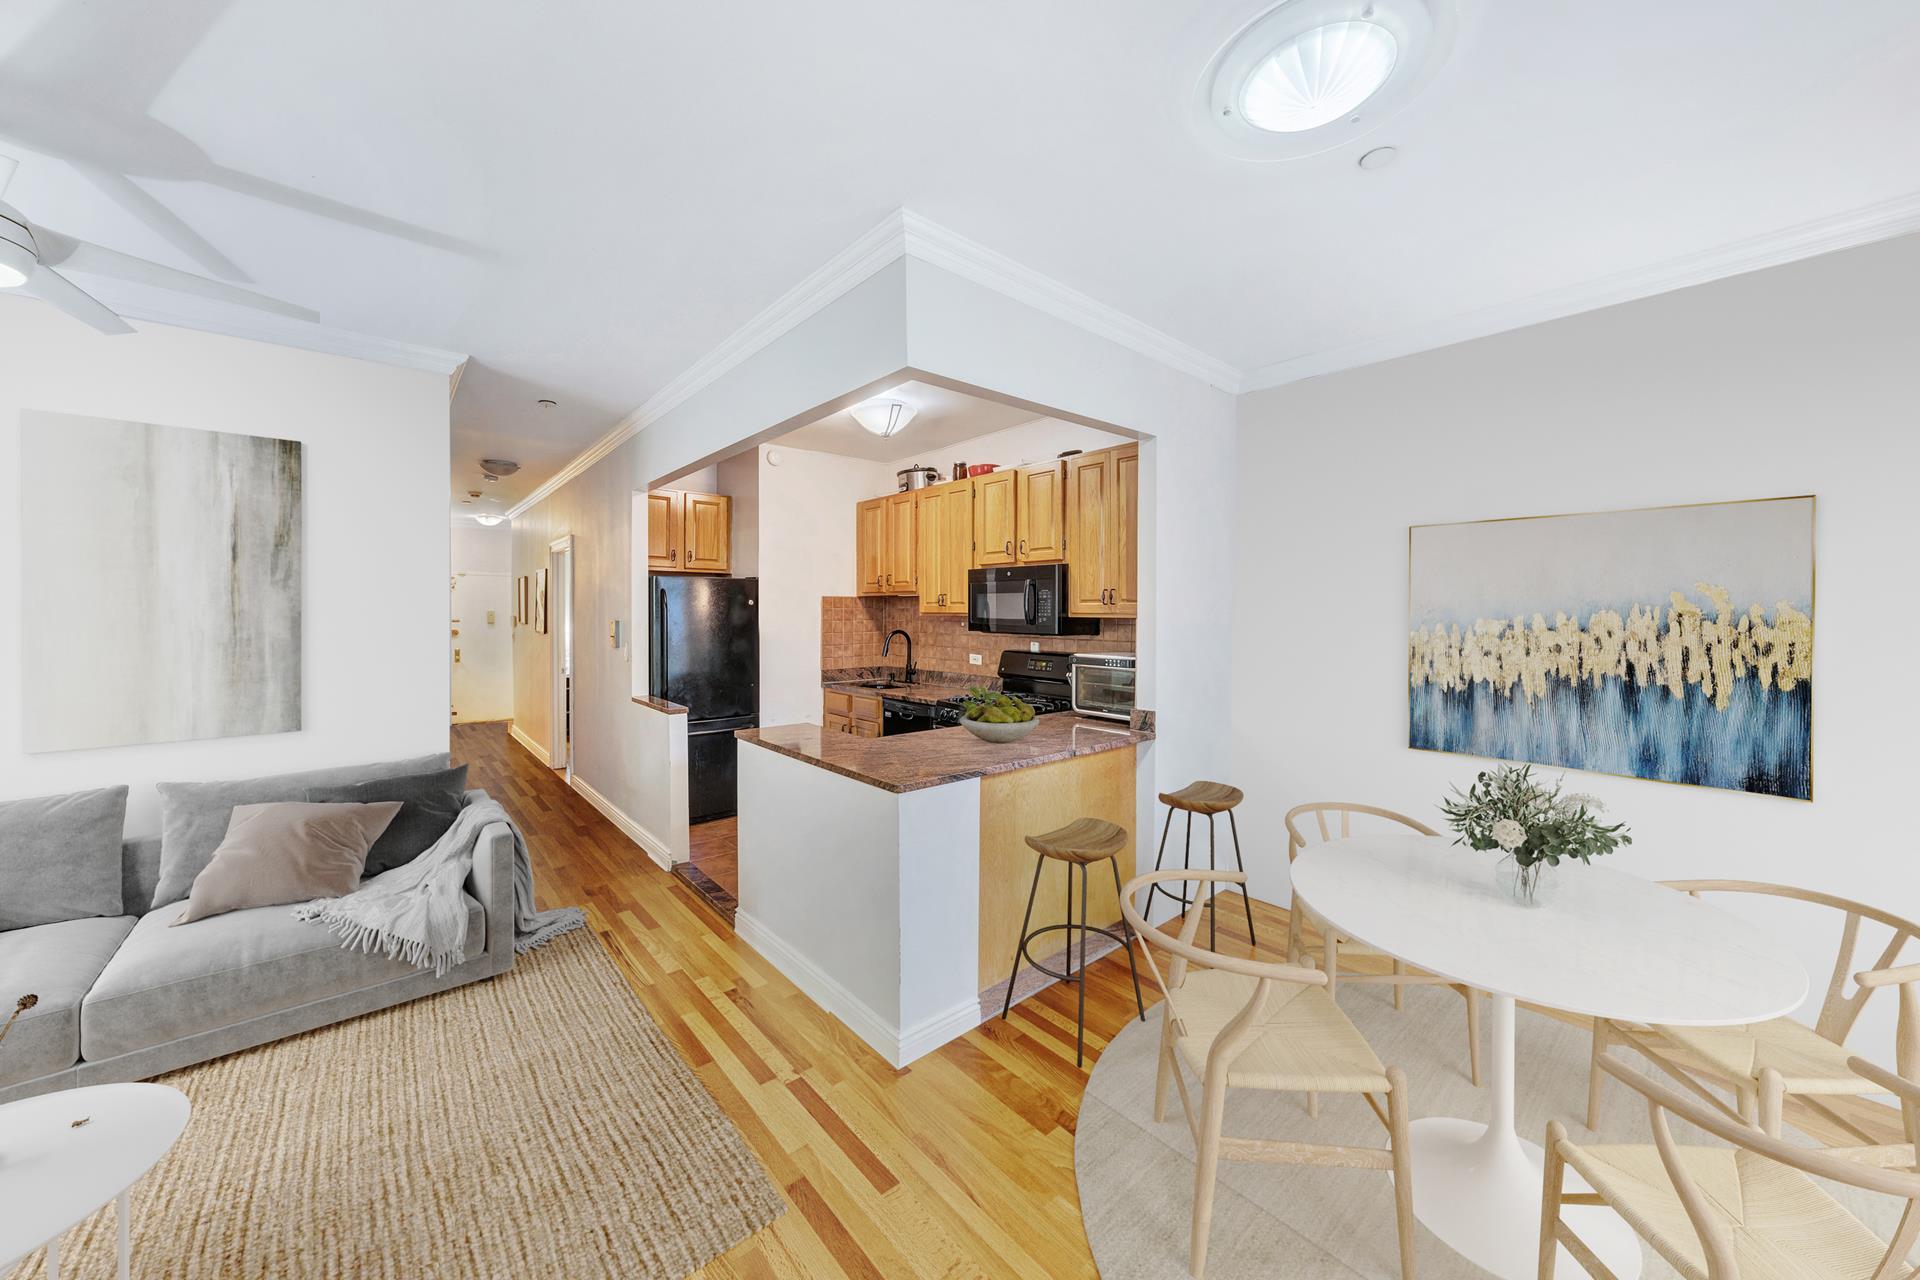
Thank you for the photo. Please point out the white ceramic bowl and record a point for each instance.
(991, 731)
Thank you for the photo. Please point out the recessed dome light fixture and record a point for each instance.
(488, 520)
(1306, 76)
(885, 418)
(1318, 76)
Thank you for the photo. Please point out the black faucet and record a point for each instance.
(886, 647)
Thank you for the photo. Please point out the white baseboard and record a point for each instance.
(896, 1046)
(537, 751)
(651, 844)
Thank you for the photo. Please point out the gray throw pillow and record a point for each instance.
(194, 815)
(429, 802)
(289, 852)
(60, 857)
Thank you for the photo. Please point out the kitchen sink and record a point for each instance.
(883, 684)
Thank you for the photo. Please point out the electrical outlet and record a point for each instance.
(1033, 646)
(973, 659)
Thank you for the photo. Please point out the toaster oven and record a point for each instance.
(1103, 684)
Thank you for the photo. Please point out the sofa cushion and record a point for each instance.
(165, 983)
(60, 857)
(57, 962)
(194, 815)
(291, 851)
(429, 802)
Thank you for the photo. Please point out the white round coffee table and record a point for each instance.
(1606, 944)
(63, 1155)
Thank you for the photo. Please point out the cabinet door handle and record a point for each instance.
(673, 555)
(1009, 546)
(1023, 546)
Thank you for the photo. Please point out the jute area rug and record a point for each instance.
(1303, 1223)
(537, 1124)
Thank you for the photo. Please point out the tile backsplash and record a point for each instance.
(851, 628)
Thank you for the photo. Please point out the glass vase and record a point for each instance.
(1530, 885)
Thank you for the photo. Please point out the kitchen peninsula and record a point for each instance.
(887, 877)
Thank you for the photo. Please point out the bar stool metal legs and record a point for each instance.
(1075, 846)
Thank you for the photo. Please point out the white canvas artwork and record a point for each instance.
(161, 583)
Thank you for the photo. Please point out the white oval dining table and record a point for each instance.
(1604, 943)
(63, 1155)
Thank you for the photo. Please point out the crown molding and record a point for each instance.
(932, 243)
(1855, 227)
(850, 267)
(285, 332)
(902, 233)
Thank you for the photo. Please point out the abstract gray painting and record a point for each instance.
(161, 587)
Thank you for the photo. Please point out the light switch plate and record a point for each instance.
(1033, 646)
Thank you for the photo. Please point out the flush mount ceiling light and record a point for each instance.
(488, 520)
(885, 418)
(1306, 76)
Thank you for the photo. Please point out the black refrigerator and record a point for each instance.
(705, 655)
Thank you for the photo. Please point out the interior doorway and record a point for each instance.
(560, 625)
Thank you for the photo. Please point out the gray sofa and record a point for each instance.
(126, 997)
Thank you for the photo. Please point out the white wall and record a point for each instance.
(375, 657)
(478, 549)
(807, 541)
(1800, 379)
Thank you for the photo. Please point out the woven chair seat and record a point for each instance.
(1304, 1044)
(1783, 1225)
(1807, 1061)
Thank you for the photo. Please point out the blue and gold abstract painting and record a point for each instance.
(1672, 643)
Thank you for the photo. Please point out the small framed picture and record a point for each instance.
(520, 600)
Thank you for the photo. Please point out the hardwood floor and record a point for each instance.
(960, 1165)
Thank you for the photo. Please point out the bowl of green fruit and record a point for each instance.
(993, 716)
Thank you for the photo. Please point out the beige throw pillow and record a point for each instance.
(288, 852)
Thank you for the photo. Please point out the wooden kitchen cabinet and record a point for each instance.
(855, 714)
(898, 564)
(995, 511)
(689, 532)
(708, 544)
(1103, 533)
(1040, 514)
(870, 542)
(947, 538)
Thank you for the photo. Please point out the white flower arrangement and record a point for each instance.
(1506, 809)
(1508, 834)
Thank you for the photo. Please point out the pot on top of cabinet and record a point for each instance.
(916, 477)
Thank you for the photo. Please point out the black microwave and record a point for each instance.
(1027, 600)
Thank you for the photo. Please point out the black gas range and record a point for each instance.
(1037, 679)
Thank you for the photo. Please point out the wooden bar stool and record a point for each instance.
(1208, 798)
(1079, 843)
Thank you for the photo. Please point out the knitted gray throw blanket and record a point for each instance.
(415, 912)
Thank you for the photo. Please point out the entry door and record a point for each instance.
(482, 647)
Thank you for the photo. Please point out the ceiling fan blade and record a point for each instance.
(7, 167)
(50, 286)
(79, 255)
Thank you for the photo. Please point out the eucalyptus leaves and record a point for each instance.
(1507, 809)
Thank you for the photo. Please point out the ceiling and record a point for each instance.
(941, 417)
(585, 199)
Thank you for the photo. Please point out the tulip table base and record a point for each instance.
(1477, 1186)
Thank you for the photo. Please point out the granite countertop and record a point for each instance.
(934, 757)
(927, 686)
(660, 704)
